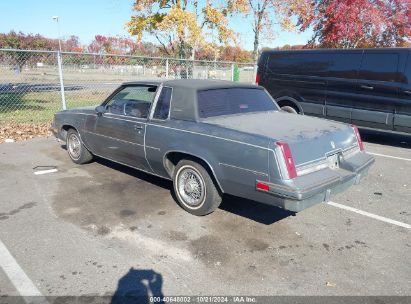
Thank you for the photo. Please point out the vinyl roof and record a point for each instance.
(184, 100)
(202, 84)
(195, 84)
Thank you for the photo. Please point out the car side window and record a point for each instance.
(132, 101)
(163, 104)
(379, 66)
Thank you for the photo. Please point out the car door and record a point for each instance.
(342, 84)
(118, 133)
(376, 93)
(402, 115)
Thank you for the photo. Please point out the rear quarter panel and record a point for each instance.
(68, 118)
(237, 159)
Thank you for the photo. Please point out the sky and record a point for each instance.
(87, 18)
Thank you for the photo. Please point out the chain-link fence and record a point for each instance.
(36, 84)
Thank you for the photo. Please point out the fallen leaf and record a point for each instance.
(330, 284)
(23, 131)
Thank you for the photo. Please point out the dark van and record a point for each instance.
(366, 87)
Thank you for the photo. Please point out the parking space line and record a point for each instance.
(18, 277)
(374, 216)
(389, 156)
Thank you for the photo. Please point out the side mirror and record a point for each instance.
(100, 110)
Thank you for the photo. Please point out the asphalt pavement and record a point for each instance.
(101, 228)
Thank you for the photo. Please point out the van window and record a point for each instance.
(300, 63)
(379, 66)
(345, 65)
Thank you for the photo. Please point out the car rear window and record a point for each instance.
(218, 102)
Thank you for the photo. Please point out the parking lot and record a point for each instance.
(102, 228)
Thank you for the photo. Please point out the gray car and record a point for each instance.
(216, 137)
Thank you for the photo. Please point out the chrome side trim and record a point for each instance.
(128, 142)
(119, 117)
(154, 148)
(144, 147)
(245, 169)
(191, 132)
(87, 114)
(212, 136)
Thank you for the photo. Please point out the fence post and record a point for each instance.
(60, 67)
(167, 68)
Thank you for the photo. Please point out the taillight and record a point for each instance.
(359, 140)
(257, 78)
(288, 157)
(262, 186)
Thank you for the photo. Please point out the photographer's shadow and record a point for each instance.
(137, 286)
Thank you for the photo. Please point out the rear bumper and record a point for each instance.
(317, 187)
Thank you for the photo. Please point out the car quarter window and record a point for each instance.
(132, 101)
(379, 66)
(231, 101)
(163, 104)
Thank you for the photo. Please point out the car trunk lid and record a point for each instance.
(310, 139)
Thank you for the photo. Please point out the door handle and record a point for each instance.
(407, 92)
(365, 87)
(138, 127)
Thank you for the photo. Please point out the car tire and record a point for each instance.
(289, 109)
(76, 149)
(195, 189)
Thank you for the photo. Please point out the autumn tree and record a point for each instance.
(235, 53)
(359, 23)
(266, 14)
(21, 41)
(181, 27)
(72, 44)
(121, 46)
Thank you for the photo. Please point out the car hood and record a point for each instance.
(309, 138)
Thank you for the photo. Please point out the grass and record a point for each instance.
(39, 107)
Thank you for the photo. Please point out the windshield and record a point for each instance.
(233, 101)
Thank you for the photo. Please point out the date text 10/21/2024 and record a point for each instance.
(204, 299)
